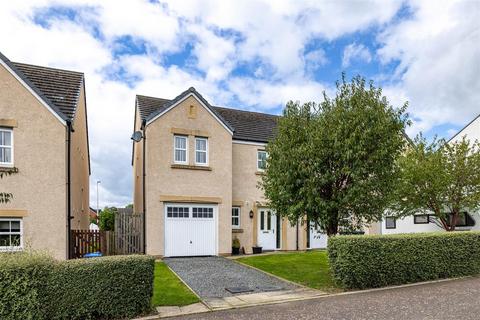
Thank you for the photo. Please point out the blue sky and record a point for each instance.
(253, 55)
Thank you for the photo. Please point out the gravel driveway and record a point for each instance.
(210, 277)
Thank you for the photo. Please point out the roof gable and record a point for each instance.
(58, 90)
(191, 92)
(471, 123)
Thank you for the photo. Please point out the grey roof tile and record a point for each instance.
(60, 87)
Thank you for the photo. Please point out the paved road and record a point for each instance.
(457, 299)
(209, 277)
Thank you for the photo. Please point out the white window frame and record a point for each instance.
(206, 151)
(175, 149)
(237, 226)
(8, 164)
(258, 159)
(13, 248)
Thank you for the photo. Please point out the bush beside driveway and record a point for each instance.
(35, 286)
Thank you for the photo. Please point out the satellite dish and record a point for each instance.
(137, 136)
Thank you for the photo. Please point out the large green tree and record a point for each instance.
(333, 162)
(439, 178)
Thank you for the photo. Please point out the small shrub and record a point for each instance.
(38, 287)
(381, 260)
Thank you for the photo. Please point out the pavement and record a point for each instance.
(213, 277)
(237, 301)
(452, 299)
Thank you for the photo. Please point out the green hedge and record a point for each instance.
(22, 285)
(33, 286)
(381, 260)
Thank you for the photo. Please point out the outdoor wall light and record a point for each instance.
(251, 214)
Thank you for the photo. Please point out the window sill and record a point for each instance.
(190, 167)
(237, 230)
(260, 173)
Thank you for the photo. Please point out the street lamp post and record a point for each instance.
(98, 207)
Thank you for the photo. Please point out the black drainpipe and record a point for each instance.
(69, 200)
(143, 193)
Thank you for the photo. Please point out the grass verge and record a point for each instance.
(168, 290)
(310, 269)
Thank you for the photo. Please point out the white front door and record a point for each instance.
(318, 239)
(190, 230)
(267, 225)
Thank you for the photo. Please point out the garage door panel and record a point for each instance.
(190, 232)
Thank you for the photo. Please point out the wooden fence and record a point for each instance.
(127, 238)
(85, 241)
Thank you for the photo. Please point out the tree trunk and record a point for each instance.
(332, 225)
(453, 220)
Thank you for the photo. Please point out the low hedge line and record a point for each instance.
(375, 261)
(34, 286)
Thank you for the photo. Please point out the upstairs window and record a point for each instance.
(6, 147)
(261, 160)
(201, 151)
(236, 217)
(180, 149)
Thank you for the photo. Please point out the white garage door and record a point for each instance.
(190, 230)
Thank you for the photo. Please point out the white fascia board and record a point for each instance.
(260, 144)
(32, 92)
(201, 103)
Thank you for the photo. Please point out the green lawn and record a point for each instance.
(168, 290)
(310, 268)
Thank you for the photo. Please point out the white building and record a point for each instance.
(426, 222)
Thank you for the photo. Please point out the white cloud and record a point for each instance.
(266, 96)
(438, 53)
(436, 49)
(276, 31)
(315, 59)
(355, 52)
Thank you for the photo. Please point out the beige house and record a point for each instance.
(196, 174)
(44, 142)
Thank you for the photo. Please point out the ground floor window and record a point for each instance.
(464, 220)
(421, 219)
(390, 223)
(236, 217)
(11, 234)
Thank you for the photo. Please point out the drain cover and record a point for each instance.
(238, 289)
(269, 288)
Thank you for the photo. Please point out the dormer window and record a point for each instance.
(261, 160)
(180, 146)
(6, 147)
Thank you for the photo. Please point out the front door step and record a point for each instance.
(234, 290)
